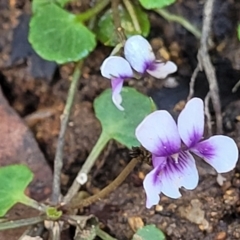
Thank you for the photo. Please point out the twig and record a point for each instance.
(204, 63)
(108, 189)
(104, 235)
(133, 15)
(192, 83)
(207, 113)
(179, 19)
(58, 161)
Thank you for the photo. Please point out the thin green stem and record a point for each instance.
(93, 11)
(58, 161)
(108, 189)
(179, 19)
(133, 15)
(33, 203)
(103, 235)
(21, 223)
(97, 149)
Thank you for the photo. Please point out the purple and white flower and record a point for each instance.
(171, 146)
(117, 69)
(139, 54)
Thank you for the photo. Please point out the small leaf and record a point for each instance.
(105, 29)
(239, 32)
(56, 35)
(53, 213)
(121, 125)
(150, 4)
(149, 232)
(13, 181)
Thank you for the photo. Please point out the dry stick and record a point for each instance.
(204, 63)
(207, 113)
(58, 161)
(192, 83)
(108, 189)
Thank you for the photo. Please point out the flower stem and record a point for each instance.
(33, 203)
(92, 11)
(179, 19)
(133, 15)
(108, 189)
(58, 161)
(97, 149)
(21, 223)
(103, 235)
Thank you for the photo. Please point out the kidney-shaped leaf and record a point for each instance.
(149, 232)
(150, 4)
(105, 29)
(121, 125)
(57, 35)
(13, 181)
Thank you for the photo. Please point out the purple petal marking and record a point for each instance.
(152, 185)
(180, 173)
(117, 84)
(161, 69)
(158, 134)
(116, 67)
(191, 122)
(139, 54)
(169, 175)
(221, 152)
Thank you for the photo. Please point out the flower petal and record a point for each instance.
(162, 69)
(191, 122)
(139, 54)
(169, 176)
(152, 185)
(116, 67)
(117, 84)
(158, 134)
(180, 173)
(219, 151)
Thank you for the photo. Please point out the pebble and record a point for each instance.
(221, 236)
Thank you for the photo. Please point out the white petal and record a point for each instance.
(158, 134)
(191, 122)
(161, 70)
(139, 53)
(116, 67)
(221, 152)
(117, 84)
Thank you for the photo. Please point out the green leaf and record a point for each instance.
(150, 4)
(13, 181)
(56, 35)
(149, 232)
(105, 29)
(37, 4)
(239, 32)
(53, 213)
(121, 125)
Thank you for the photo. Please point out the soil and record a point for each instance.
(38, 95)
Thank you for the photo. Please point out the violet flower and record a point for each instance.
(139, 54)
(171, 144)
(117, 69)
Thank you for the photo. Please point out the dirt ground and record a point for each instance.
(37, 91)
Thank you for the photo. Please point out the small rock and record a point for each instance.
(221, 236)
(135, 223)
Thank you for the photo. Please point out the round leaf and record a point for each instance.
(105, 29)
(13, 181)
(56, 35)
(150, 4)
(121, 125)
(149, 232)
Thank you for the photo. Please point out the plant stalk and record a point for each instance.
(179, 19)
(92, 11)
(58, 161)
